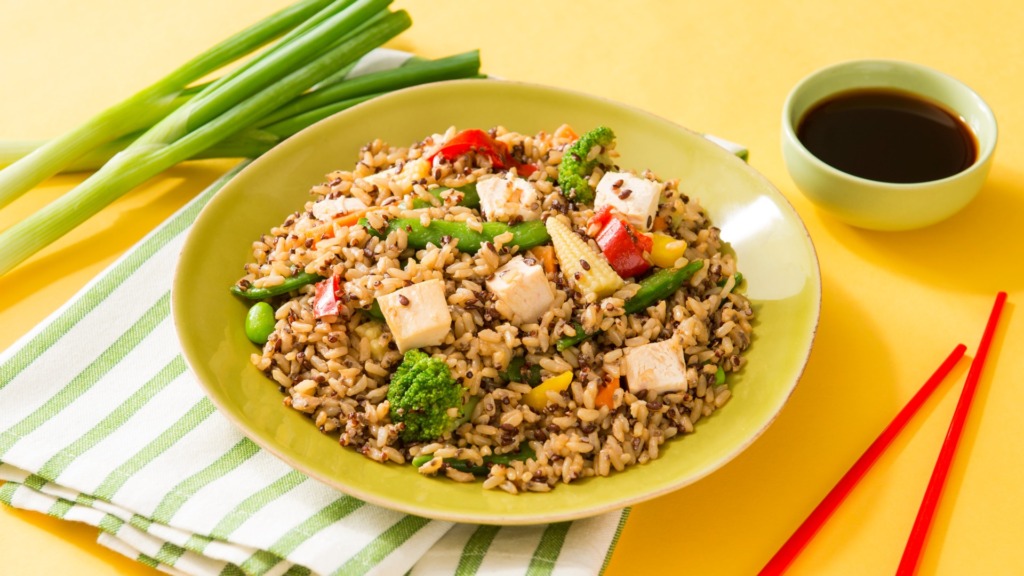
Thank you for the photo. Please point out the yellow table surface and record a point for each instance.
(894, 303)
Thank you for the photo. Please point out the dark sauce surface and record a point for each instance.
(888, 136)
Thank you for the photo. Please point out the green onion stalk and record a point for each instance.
(305, 110)
(148, 105)
(227, 106)
(296, 82)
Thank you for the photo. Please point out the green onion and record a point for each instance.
(305, 110)
(148, 105)
(227, 106)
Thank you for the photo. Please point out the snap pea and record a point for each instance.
(289, 284)
(656, 287)
(524, 235)
(259, 322)
(470, 198)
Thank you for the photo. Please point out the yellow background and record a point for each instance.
(894, 303)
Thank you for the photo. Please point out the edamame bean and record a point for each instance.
(259, 322)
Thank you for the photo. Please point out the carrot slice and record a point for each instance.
(351, 218)
(606, 395)
(546, 256)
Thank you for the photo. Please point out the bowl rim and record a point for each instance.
(789, 123)
(814, 275)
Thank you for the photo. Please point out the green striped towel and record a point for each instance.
(101, 422)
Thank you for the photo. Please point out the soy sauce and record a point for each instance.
(888, 136)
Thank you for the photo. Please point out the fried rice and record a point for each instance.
(337, 367)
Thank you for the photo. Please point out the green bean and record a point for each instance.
(524, 235)
(570, 341)
(656, 287)
(660, 285)
(289, 284)
(470, 198)
(259, 322)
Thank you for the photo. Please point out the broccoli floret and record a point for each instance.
(577, 163)
(422, 391)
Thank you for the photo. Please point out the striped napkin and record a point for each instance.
(101, 422)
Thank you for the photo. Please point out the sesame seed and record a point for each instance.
(403, 300)
(618, 183)
(585, 264)
(625, 193)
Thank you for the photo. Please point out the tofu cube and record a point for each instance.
(523, 288)
(330, 208)
(417, 315)
(634, 197)
(501, 199)
(657, 367)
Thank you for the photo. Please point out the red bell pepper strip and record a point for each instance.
(624, 247)
(524, 170)
(600, 218)
(474, 140)
(325, 299)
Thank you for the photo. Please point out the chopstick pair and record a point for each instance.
(922, 524)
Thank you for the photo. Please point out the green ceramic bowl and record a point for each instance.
(884, 205)
(774, 251)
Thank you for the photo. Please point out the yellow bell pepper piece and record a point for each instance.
(666, 250)
(538, 397)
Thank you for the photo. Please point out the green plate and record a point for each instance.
(774, 251)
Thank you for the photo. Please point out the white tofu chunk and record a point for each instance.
(634, 197)
(330, 208)
(523, 288)
(501, 199)
(417, 315)
(658, 367)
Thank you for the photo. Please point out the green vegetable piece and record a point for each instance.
(289, 284)
(260, 322)
(719, 376)
(738, 276)
(577, 164)
(470, 198)
(661, 285)
(524, 235)
(514, 372)
(524, 453)
(654, 288)
(570, 341)
(534, 378)
(517, 372)
(375, 312)
(421, 392)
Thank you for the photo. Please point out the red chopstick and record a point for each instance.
(789, 551)
(918, 534)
